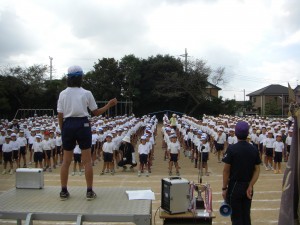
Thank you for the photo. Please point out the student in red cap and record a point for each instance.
(72, 106)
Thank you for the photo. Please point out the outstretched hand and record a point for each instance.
(112, 102)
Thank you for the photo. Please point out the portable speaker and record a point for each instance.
(225, 209)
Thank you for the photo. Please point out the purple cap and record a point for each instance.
(242, 130)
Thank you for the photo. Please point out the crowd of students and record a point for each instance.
(198, 138)
(114, 141)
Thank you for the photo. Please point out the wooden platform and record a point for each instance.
(111, 205)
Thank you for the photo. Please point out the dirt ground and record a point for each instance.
(266, 199)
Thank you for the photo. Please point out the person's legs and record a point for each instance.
(87, 164)
(246, 207)
(64, 171)
(234, 199)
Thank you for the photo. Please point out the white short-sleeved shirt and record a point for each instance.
(174, 148)
(232, 140)
(15, 145)
(74, 101)
(269, 142)
(205, 149)
(77, 150)
(7, 147)
(37, 147)
(31, 139)
(288, 140)
(278, 146)
(22, 141)
(58, 141)
(108, 147)
(46, 145)
(143, 149)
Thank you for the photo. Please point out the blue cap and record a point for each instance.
(242, 130)
(75, 71)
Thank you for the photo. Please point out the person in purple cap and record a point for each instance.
(73, 121)
(240, 173)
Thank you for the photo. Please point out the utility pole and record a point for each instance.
(185, 55)
(244, 101)
(51, 58)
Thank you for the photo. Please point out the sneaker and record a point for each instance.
(102, 173)
(139, 173)
(177, 174)
(147, 174)
(112, 172)
(49, 169)
(279, 171)
(267, 168)
(30, 163)
(64, 195)
(275, 171)
(24, 166)
(80, 173)
(90, 195)
(4, 172)
(207, 174)
(11, 172)
(73, 173)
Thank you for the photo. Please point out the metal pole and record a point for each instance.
(51, 58)
(282, 105)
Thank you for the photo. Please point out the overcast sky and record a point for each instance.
(257, 41)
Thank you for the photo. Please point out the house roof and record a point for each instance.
(297, 88)
(210, 85)
(273, 89)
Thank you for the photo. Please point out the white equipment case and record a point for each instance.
(175, 195)
(29, 178)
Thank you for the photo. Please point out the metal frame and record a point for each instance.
(111, 205)
(122, 108)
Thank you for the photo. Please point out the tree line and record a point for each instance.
(157, 83)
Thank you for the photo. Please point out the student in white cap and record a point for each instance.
(127, 155)
(74, 124)
(7, 155)
(143, 151)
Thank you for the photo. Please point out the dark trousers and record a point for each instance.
(239, 202)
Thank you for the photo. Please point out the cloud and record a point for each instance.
(14, 38)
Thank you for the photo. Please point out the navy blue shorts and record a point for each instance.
(7, 156)
(48, 153)
(76, 129)
(107, 157)
(143, 158)
(219, 147)
(173, 157)
(288, 148)
(204, 156)
(38, 157)
(23, 150)
(15, 154)
(278, 157)
(30, 147)
(77, 157)
(269, 152)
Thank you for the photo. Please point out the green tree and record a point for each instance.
(104, 81)
(272, 108)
